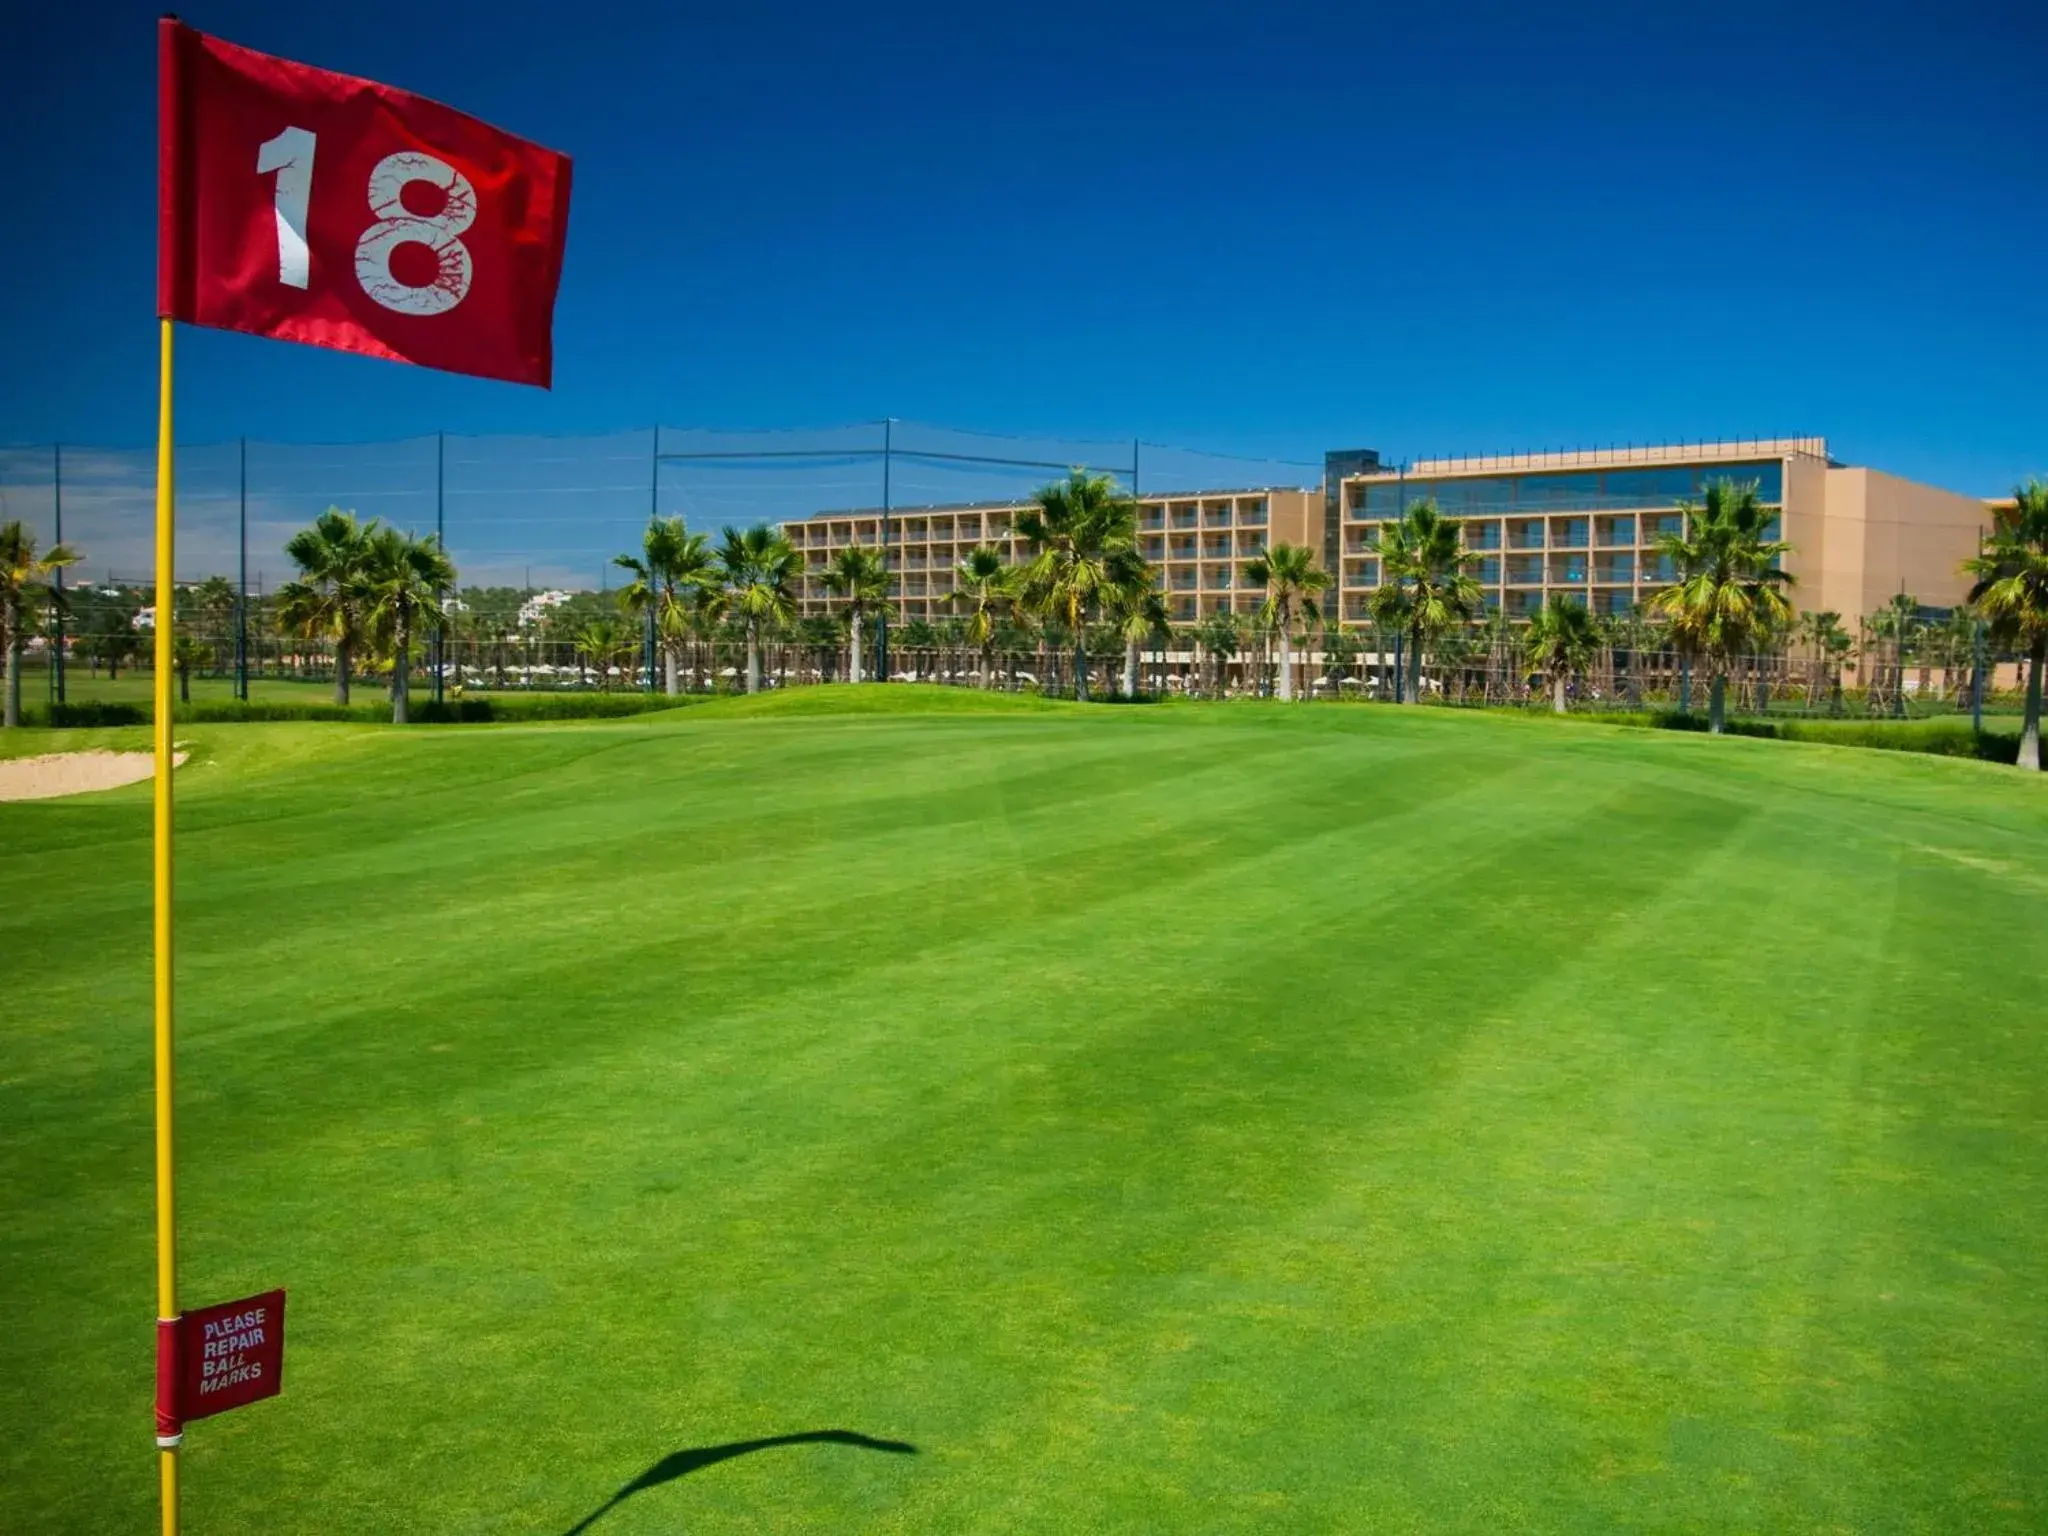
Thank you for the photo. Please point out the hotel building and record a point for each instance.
(1583, 524)
(1201, 541)
(1586, 524)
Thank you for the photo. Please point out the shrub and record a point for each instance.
(472, 709)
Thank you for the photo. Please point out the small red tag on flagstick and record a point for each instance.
(227, 1356)
(316, 207)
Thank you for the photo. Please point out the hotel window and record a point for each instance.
(1650, 487)
(1568, 533)
(1525, 533)
(1615, 531)
(1655, 528)
(1769, 479)
(1558, 493)
(1482, 535)
(1615, 567)
(1488, 570)
(1458, 498)
(1525, 570)
(1568, 568)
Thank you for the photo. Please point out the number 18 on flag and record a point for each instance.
(320, 208)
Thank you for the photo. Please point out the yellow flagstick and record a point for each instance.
(166, 1147)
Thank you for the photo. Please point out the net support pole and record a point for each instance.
(57, 608)
(882, 614)
(439, 650)
(653, 513)
(169, 1431)
(242, 580)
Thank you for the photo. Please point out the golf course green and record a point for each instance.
(1194, 1118)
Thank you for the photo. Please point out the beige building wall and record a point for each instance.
(1884, 535)
(1805, 527)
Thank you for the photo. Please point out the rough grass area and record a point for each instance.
(1223, 1119)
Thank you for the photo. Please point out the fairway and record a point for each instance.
(1193, 1118)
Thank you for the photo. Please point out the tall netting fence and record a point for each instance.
(532, 524)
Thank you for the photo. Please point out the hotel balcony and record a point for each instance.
(1525, 570)
(1568, 533)
(1568, 570)
(1615, 532)
(1482, 535)
(1525, 533)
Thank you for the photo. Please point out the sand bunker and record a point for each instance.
(74, 773)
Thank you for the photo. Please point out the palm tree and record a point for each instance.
(1292, 578)
(327, 597)
(605, 644)
(2011, 591)
(755, 575)
(1896, 625)
(1220, 636)
(860, 579)
(1730, 590)
(1137, 612)
(1562, 639)
(670, 574)
(1426, 582)
(988, 587)
(215, 599)
(24, 586)
(187, 652)
(403, 577)
(1081, 531)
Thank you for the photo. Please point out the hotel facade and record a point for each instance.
(1583, 524)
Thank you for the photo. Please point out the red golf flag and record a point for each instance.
(297, 203)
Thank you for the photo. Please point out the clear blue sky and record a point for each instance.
(1255, 228)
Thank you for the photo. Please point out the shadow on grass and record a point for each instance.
(682, 1463)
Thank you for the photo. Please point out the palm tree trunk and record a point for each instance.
(1415, 666)
(341, 672)
(12, 710)
(1717, 703)
(853, 650)
(401, 666)
(2030, 728)
(984, 671)
(1557, 683)
(1130, 668)
(1286, 666)
(1080, 666)
(670, 664)
(753, 659)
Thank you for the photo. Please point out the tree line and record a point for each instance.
(371, 592)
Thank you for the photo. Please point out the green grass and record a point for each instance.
(1223, 1119)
